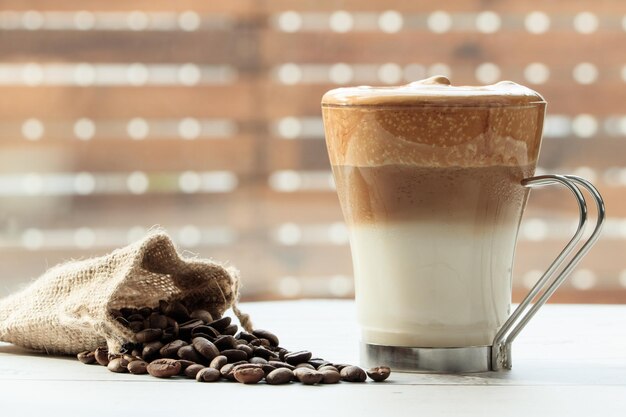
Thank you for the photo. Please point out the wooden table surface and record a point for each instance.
(570, 361)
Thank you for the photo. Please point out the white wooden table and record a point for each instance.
(570, 361)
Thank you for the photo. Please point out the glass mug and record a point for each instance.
(433, 180)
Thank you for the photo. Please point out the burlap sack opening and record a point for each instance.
(66, 310)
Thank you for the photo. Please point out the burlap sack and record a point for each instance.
(66, 310)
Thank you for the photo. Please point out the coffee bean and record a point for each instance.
(330, 377)
(231, 330)
(308, 376)
(267, 368)
(218, 362)
(184, 330)
(279, 376)
(327, 368)
(249, 351)
(248, 375)
(130, 358)
(184, 364)
(206, 330)
(135, 317)
(226, 342)
(340, 366)
(227, 371)
(171, 349)
(162, 306)
(234, 355)
(281, 353)
(136, 326)
(122, 321)
(248, 337)
(279, 364)
(260, 342)
(353, 374)
(192, 370)
(86, 357)
(264, 353)
(190, 354)
(151, 350)
(164, 368)
(138, 367)
(148, 335)
(208, 375)
(102, 356)
(295, 358)
(203, 315)
(305, 365)
(127, 311)
(136, 352)
(220, 324)
(177, 310)
(257, 360)
(379, 373)
(265, 334)
(205, 348)
(118, 365)
(145, 311)
(317, 362)
(157, 321)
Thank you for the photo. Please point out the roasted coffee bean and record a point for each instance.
(202, 329)
(308, 376)
(279, 376)
(327, 368)
(157, 321)
(226, 342)
(138, 367)
(265, 334)
(171, 349)
(340, 366)
(136, 352)
(130, 357)
(227, 371)
(379, 373)
(218, 362)
(205, 348)
(203, 315)
(145, 311)
(267, 368)
(162, 306)
(86, 357)
(177, 310)
(248, 337)
(102, 356)
(330, 377)
(208, 375)
(184, 330)
(135, 326)
(249, 351)
(295, 358)
(260, 342)
(317, 362)
(127, 311)
(220, 324)
(151, 350)
(305, 365)
(148, 335)
(279, 364)
(257, 360)
(164, 368)
(353, 374)
(184, 364)
(230, 330)
(248, 375)
(265, 353)
(118, 365)
(281, 353)
(234, 355)
(190, 354)
(192, 371)
(135, 317)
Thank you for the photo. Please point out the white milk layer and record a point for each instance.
(425, 284)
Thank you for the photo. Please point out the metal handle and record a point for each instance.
(549, 282)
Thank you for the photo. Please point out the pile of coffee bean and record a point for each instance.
(174, 341)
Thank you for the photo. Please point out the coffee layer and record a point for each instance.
(431, 123)
(401, 193)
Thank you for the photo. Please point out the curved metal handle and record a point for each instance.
(549, 282)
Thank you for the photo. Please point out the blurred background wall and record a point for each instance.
(203, 117)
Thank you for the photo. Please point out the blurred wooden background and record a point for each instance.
(203, 118)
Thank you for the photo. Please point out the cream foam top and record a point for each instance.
(436, 91)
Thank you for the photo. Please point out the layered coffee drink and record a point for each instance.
(429, 180)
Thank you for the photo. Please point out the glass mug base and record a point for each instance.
(428, 360)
